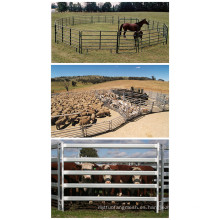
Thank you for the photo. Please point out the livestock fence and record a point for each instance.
(158, 172)
(128, 108)
(86, 40)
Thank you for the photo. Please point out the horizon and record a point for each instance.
(158, 71)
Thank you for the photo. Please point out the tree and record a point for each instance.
(73, 83)
(91, 7)
(71, 6)
(53, 6)
(66, 84)
(106, 7)
(88, 152)
(62, 6)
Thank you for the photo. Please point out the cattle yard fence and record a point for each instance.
(159, 185)
(157, 102)
(66, 32)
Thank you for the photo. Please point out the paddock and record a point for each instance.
(70, 31)
(160, 173)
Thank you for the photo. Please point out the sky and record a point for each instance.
(158, 71)
(116, 152)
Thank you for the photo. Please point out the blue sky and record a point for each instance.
(107, 152)
(158, 71)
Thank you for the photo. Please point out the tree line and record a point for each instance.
(108, 7)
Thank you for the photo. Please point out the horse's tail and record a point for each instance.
(120, 28)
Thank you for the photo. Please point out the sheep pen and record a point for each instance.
(95, 112)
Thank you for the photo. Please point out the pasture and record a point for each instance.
(62, 53)
(149, 85)
(85, 213)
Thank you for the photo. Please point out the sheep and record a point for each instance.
(60, 121)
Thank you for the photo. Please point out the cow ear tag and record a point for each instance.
(94, 168)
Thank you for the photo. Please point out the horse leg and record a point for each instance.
(125, 29)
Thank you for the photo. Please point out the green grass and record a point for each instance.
(62, 53)
(84, 213)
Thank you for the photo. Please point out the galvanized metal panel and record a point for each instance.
(108, 172)
(54, 159)
(54, 172)
(96, 159)
(127, 146)
(108, 198)
(112, 185)
(54, 197)
(54, 184)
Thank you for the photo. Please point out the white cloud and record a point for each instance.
(138, 67)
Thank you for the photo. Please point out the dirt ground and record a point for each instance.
(113, 115)
(152, 125)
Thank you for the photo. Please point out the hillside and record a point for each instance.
(150, 85)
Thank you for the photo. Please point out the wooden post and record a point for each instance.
(81, 41)
(105, 19)
(112, 19)
(149, 37)
(91, 19)
(73, 20)
(55, 26)
(100, 40)
(124, 19)
(70, 37)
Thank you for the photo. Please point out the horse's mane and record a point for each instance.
(138, 23)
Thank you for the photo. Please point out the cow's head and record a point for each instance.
(136, 179)
(107, 178)
(87, 166)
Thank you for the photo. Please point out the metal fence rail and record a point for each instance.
(154, 33)
(61, 197)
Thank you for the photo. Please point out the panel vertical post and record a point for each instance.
(62, 33)
(117, 43)
(58, 182)
(158, 182)
(100, 39)
(70, 37)
(62, 198)
(162, 178)
(55, 27)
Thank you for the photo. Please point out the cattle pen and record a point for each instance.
(160, 173)
(127, 106)
(69, 31)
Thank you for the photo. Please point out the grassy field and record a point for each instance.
(62, 53)
(84, 213)
(149, 85)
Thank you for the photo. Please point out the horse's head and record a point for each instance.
(145, 21)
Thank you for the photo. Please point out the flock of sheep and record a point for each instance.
(76, 108)
(84, 108)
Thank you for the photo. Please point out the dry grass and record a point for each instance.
(149, 85)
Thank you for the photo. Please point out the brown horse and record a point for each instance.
(133, 27)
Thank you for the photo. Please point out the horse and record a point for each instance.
(137, 34)
(133, 27)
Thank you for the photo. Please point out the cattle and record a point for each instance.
(146, 179)
(118, 178)
(67, 178)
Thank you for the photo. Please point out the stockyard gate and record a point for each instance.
(129, 104)
(70, 188)
(69, 31)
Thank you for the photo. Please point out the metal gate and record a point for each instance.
(60, 172)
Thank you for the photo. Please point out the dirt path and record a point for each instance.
(152, 125)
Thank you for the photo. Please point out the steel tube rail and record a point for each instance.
(112, 185)
(94, 159)
(108, 172)
(108, 198)
(137, 146)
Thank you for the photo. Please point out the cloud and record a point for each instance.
(138, 67)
